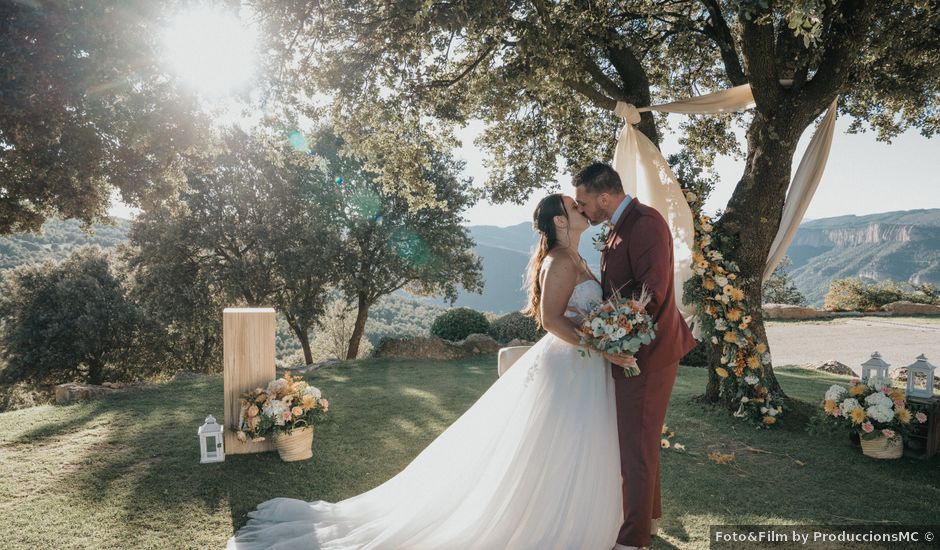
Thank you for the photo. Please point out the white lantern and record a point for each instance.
(920, 378)
(875, 367)
(210, 441)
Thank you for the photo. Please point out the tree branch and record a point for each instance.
(717, 29)
(445, 83)
(596, 97)
(758, 49)
(845, 35)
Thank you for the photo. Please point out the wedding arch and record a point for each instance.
(647, 176)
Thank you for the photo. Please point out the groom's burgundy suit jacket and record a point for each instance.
(639, 252)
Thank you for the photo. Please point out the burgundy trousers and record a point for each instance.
(641, 409)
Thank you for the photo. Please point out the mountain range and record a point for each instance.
(897, 246)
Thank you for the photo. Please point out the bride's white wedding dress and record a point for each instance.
(533, 464)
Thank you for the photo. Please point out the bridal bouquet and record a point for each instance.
(619, 325)
(283, 405)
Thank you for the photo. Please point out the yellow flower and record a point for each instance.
(904, 416)
(664, 443)
(897, 394)
(721, 372)
(737, 294)
(769, 420)
(761, 347)
(858, 415)
(753, 362)
(730, 337)
(829, 405)
(309, 402)
(708, 284)
(734, 314)
(702, 263)
(857, 389)
(727, 290)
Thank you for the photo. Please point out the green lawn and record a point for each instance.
(124, 471)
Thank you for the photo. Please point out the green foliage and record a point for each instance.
(854, 294)
(698, 357)
(513, 326)
(780, 288)
(66, 321)
(87, 110)
(56, 239)
(458, 323)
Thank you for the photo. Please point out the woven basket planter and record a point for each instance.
(296, 446)
(882, 447)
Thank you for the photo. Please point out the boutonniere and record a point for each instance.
(600, 240)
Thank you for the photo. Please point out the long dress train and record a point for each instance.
(534, 463)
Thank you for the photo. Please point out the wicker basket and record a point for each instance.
(296, 446)
(882, 447)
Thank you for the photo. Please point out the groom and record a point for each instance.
(638, 253)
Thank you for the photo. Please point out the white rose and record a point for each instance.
(714, 339)
(721, 280)
(720, 324)
(314, 391)
(878, 399)
(751, 379)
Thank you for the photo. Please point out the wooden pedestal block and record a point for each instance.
(924, 440)
(248, 363)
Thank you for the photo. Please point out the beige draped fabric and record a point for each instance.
(647, 176)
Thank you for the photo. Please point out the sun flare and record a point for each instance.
(211, 50)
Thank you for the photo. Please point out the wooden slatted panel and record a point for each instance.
(248, 356)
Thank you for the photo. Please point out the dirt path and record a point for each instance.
(852, 341)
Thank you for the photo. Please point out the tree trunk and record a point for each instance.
(301, 333)
(362, 314)
(95, 371)
(752, 220)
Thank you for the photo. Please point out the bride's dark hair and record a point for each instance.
(544, 221)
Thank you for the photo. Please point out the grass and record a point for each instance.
(124, 471)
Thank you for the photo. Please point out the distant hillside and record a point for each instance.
(897, 246)
(57, 239)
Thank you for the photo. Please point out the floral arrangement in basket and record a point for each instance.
(619, 325)
(284, 405)
(873, 410)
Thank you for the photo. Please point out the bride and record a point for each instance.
(533, 464)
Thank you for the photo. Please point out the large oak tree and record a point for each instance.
(545, 76)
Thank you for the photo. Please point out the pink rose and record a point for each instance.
(886, 390)
(887, 433)
(325, 404)
(286, 416)
(921, 417)
(868, 428)
(898, 404)
(837, 412)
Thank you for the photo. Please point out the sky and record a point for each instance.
(863, 176)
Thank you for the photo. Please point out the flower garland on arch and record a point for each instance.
(725, 320)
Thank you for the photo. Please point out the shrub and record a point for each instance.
(855, 295)
(458, 323)
(515, 325)
(698, 357)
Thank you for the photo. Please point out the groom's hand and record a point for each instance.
(621, 359)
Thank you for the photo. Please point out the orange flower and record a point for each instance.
(730, 337)
(708, 284)
(734, 314)
(721, 372)
(753, 362)
(737, 294)
(769, 420)
(761, 347)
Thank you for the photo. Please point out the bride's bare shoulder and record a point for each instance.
(560, 266)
